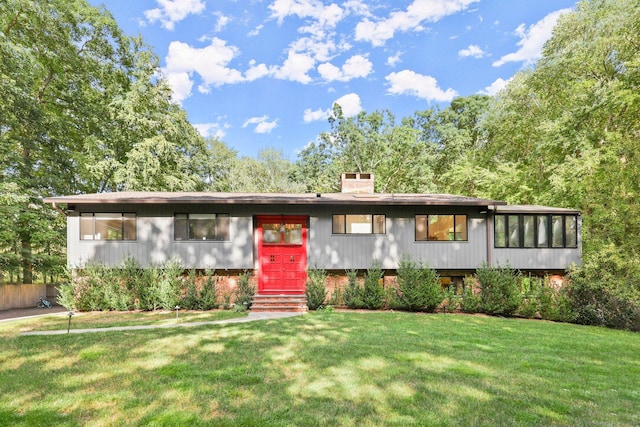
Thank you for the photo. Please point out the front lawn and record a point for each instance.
(331, 368)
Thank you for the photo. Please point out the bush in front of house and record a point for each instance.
(418, 286)
(373, 295)
(245, 291)
(499, 290)
(127, 287)
(353, 294)
(316, 290)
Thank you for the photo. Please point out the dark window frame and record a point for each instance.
(123, 221)
(219, 237)
(344, 232)
(520, 228)
(455, 224)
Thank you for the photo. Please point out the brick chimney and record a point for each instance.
(357, 182)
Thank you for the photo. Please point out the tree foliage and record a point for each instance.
(82, 111)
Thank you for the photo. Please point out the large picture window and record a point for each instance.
(201, 227)
(536, 231)
(107, 226)
(359, 224)
(441, 228)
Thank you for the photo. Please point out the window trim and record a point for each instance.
(92, 215)
(187, 231)
(373, 222)
(549, 244)
(454, 215)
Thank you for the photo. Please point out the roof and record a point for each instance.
(523, 209)
(135, 197)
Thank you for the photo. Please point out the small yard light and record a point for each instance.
(70, 314)
(177, 309)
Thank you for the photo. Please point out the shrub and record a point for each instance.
(245, 291)
(170, 285)
(531, 297)
(337, 296)
(208, 296)
(190, 299)
(353, 294)
(373, 292)
(418, 286)
(499, 290)
(469, 300)
(316, 290)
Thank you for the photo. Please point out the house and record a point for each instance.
(280, 236)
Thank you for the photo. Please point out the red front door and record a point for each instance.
(282, 254)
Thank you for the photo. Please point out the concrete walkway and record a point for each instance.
(252, 317)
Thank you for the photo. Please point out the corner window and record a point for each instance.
(359, 224)
(201, 227)
(535, 231)
(108, 226)
(441, 228)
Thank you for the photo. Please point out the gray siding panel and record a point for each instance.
(345, 251)
(155, 243)
(537, 259)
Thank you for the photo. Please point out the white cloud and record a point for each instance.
(379, 31)
(532, 40)
(354, 67)
(215, 130)
(326, 16)
(221, 22)
(319, 50)
(181, 85)
(350, 103)
(295, 68)
(315, 115)
(211, 63)
(255, 31)
(394, 60)
(172, 11)
(263, 125)
(495, 87)
(407, 82)
(473, 51)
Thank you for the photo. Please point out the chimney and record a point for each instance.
(357, 182)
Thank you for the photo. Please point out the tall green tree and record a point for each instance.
(82, 111)
(269, 173)
(370, 142)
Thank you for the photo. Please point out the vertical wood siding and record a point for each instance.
(345, 251)
(155, 244)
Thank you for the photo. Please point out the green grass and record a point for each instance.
(380, 368)
(98, 319)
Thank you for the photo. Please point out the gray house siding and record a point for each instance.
(345, 251)
(155, 242)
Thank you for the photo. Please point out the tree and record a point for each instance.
(269, 173)
(82, 111)
(370, 143)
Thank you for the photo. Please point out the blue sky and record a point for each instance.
(265, 73)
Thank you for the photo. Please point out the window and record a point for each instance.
(281, 233)
(536, 231)
(107, 226)
(441, 228)
(359, 224)
(201, 227)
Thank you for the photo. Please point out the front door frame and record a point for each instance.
(282, 267)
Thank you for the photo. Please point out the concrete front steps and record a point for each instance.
(279, 303)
